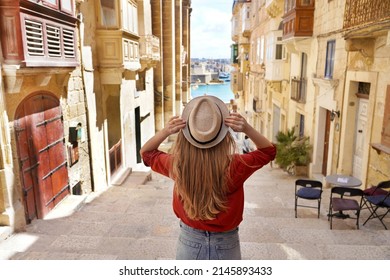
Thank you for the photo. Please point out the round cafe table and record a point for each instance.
(342, 181)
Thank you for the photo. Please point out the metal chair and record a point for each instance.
(339, 203)
(375, 190)
(308, 190)
(374, 203)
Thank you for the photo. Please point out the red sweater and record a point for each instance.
(241, 170)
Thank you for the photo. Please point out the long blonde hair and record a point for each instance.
(201, 176)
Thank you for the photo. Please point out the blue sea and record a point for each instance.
(221, 91)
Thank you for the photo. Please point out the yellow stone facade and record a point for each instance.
(342, 110)
(131, 75)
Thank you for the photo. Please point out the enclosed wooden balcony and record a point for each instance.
(241, 25)
(298, 18)
(246, 20)
(118, 49)
(38, 34)
(366, 17)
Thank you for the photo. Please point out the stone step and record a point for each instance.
(137, 178)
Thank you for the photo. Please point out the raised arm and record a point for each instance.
(173, 126)
(239, 124)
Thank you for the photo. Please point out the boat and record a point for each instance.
(223, 75)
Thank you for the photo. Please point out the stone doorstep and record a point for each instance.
(5, 232)
(138, 178)
(120, 176)
(67, 206)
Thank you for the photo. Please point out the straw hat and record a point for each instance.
(205, 121)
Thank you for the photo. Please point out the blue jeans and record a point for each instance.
(195, 244)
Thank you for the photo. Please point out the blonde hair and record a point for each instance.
(201, 176)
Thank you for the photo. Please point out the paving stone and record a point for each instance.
(135, 221)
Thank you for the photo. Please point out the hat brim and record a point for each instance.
(224, 128)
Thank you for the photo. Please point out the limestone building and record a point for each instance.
(84, 84)
(45, 151)
(320, 67)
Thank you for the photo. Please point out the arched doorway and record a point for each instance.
(41, 149)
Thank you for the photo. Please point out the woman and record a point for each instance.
(209, 176)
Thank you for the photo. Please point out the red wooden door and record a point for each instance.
(42, 155)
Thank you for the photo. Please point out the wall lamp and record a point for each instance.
(333, 114)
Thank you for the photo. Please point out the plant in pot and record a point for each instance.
(293, 152)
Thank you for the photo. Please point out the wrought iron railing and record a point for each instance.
(361, 12)
(298, 90)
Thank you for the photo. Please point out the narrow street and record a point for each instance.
(135, 221)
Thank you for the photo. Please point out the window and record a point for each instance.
(234, 49)
(62, 5)
(260, 50)
(329, 63)
(67, 6)
(275, 50)
(280, 49)
(289, 5)
(130, 50)
(306, 2)
(301, 125)
(108, 13)
(279, 52)
(130, 16)
(53, 3)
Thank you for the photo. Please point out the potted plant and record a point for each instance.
(293, 152)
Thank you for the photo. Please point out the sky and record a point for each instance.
(211, 28)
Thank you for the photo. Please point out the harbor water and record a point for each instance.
(221, 91)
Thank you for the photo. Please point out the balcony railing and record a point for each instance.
(361, 12)
(115, 156)
(149, 48)
(298, 90)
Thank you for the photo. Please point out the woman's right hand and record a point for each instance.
(174, 125)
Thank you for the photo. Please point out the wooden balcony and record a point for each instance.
(298, 19)
(246, 28)
(34, 35)
(118, 49)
